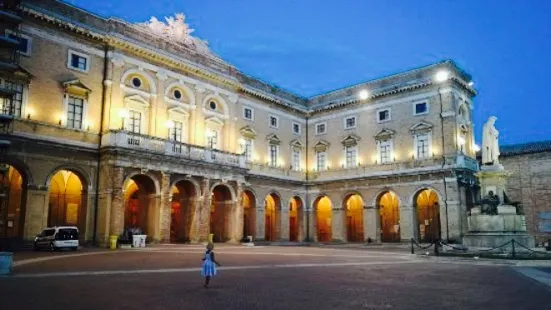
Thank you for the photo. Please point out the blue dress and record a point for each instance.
(208, 269)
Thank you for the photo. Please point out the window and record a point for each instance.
(24, 47)
(177, 94)
(296, 128)
(273, 155)
(420, 108)
(12, 106)
(176, 131)
(212, 105)
(385, 151)
(136, 82)
(321, 161)
(134, 123)
(78, 61)
(75, 109)
(350, 122)
(351, 154)
(321, 128)
(274, 122)
(212, 138)
(383, 115)
(295, 159)
(422, 146)
(248, 114)
(248, 150)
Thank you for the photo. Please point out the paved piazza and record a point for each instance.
(167, 277)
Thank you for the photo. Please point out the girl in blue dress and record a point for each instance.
(208, 268)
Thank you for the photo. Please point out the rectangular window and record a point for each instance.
(351, 153)
(385, 151)
(296, 159)
(12, 106)
(212, 138)
(78, 61)
(422, 146)
(296, 128)
(273, 155)
(248, 114)
(383, 115)
(321, 161)
(248, 150)
(421, 108)
(321, 128)
(75, 109)
(24, 46)
(176, 132)
(350, 122)
(134, 123)
(274, 122)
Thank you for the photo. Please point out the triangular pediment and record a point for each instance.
(350, 140)
(179, 111)
(214, 120)
(297, 144)
(421, 127)
(75, 85)
(248, 132)
(385, 134)
(138, 99)
(273, 139)
(321, 146)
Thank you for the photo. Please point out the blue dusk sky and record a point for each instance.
(313, 46)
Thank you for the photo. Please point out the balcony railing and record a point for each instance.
(268, 170)
(133, 141)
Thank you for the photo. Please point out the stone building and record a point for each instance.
(530, 183)
(119, 125)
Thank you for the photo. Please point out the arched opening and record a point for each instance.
(182, 207)
(220, 211)
(354, 218)
(139, 202)
(12, 204)
(67, 201)
(272, 217)
(295, 218)
(389, 204)
(428, 215)
(249, 213)
(323, 209)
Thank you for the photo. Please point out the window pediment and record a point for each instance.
(214, 121)
(422, 127)
(248, 132)
(296, 144)
(75, 86)
(385, 134)
(179, 112)
(321, 146)
(137, 99)
(350, 140)
(273, 139)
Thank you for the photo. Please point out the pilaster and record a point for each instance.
(372, 223)
(165, 208)
(338, 221)
(116, 226)
(36, 215)
(408, 223)
(204, 211)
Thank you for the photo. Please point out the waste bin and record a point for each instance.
(138, 241)
(113, 242)
(5, 262)
(211, 238)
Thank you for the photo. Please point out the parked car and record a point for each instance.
(58, 237)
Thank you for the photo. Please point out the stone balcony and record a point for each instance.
(276, 172)
(143, 143)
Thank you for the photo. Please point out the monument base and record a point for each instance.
(494, 239)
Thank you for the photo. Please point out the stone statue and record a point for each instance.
(490, 203)
(490, 145)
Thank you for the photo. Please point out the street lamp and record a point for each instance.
(123, 113)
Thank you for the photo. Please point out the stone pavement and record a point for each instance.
(265, 278)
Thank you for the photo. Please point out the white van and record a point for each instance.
(53, 238)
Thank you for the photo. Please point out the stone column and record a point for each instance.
(313, 226)
(89, 215)
(165, 218)
(117, 203)
(238, 223)
(260, 221)
(204, 211)
(372, 223)
(196, 120)
(338, 224)
(194, 215)
(36, 215)
(284, 224)
(408, 223)
(114, 99)
(451, 222)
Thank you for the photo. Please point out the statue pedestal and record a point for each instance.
(493, 178)
(489, 231)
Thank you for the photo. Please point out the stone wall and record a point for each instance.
(530, 183)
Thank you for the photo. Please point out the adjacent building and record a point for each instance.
(116, 125)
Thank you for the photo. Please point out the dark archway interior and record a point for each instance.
(428, 215)
(272, 217)
(12, 203)
(182, 211)
(220, 211)
(324, 229)
(138, 201)
(249, 213)
(389, 213)
(354, 218)
(295, 219)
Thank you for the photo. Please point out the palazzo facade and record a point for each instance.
(109, 125)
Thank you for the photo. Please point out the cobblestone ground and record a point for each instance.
(263, 278)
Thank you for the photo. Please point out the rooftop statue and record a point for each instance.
(490, 144)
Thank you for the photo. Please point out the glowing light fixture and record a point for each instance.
(169, 124)
(461, 140)
(441, 76)
(123, 113)
(476, 148)
(364, 94)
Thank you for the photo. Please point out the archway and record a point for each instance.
(354, 218)
(428, 215)
(295, 219)
(139, 203)
(272, 205)
(220, 211)
(389, 213)
(12, 204)
(68, 197)
(182, 207)
(323, 209)
(249, 213)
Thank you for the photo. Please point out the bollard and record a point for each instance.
(6, 259)
(412, 251)
(113, 242)
(436, 247)
(513, 245)
(211, 238)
